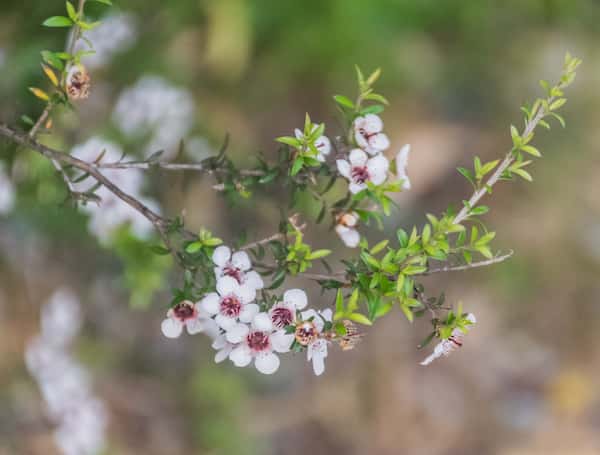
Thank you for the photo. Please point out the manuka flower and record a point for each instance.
(368, 135)
(308, 333)
(260, 344)
(360, 169)
(232, 307)
(284, 313)
(401, 164)
(237, 266)
(451, 344)
(322, 144)
(345, 228)
(78, 82)
(185, 314)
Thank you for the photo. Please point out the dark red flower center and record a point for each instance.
(231, 306)
(281, 317)
(184, 311)
(360, 174)
(366, 135)
(258, 341)
(233, 272)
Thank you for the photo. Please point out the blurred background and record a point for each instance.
(82, 297)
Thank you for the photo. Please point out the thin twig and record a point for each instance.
(472, 265)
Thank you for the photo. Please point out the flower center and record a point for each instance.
(281, 317)
(306, 333)
(258, 341)
(366, 135)
(360, 174)
(231, 306)
(233, 272)
(184, 311)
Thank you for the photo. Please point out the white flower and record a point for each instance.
(401, 164)
(237, 266)
(446, 347)
(185, 314)
(361, 169)
(260, 344)
(283, 313)
(316, 346)
(223, 348)
(232, 307)
(322, 144)
(345, 228)
(7, 192)
(368, 135)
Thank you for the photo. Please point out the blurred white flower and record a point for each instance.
(237, 266)
(116, 33)
(232, 307)
(260, 344)
(111, 212)
(368, 134)
(7, 192)
(185, 314)
(401, 165)
(283, 313)
(322, 144)
(80, 417)
(316, 345)
(446, 347)
(156, 108)
(360, 169)
(345, 229)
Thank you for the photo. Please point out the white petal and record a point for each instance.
(299, 134)
(225, 322)
(282, 341)
(236, 333)
(349, 236)
(344, 168)
(223, 353)
(219, 342)
(296, 297)
(360, 139)
(254, 280)
(357, 157)
(317, 352)
(171, 328)
(248, 312)
(267, 363)
(262, 322)
(323, 145)
(356, 187)
(210, 303)
(318, 364)
(372, 123)
(227, 285)
(402, 161)
(379, 141)
(246, 294)
(241, 356)
(378, 167)
(241, 260)
(327, 314)
(210, 328)
(306, 315)
(194, 326)
(221, 255)
(471, 317)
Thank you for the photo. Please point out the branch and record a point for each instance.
(473, 265)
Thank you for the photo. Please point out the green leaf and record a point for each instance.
(359, 319)
(160, 250)
(380, 246)
(297, 166)
(531, 150)
(71, 11)
(105, 2)
(58, 21)
(523, 173)
(353, 301)
(343, 101)
(289, 141)
(318, 254)
(374, 109)
(193, 247)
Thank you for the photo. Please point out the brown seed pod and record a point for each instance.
(78, 82)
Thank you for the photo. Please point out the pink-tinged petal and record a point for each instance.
(356, 187)
(227, 285)
(241, 356)
(357, 158)
(254, 280)
(194, 326)
(262, 322)
(344, 168)
(349, 236)
(267, 363)
(372, 123)
(282, 341)
(323, 145)
(225, 322)
(379, 141)
(248, 312)
(221, 255)
(210, 303)
(241, 260)
(236, 333)
(296, 297)
(171, 328)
